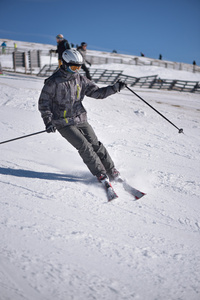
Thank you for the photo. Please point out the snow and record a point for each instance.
(61, 239)
(140, 71)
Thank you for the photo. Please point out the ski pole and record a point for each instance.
(22, 137)
(180, 130)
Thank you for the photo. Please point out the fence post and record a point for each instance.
(38, 59)
(25, 63)
(172, 84)
(14, 61)
(136, 61)
(29, 60)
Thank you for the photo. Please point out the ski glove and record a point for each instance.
(50, 128)
(119, 85)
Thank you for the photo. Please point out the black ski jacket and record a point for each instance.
(61, 47)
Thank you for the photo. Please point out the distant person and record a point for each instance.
(142, 54)
(160, 56)
(194, 64)
(82, 50)
(3, 46)
(15, 46)
(62, 45)
(114, 51)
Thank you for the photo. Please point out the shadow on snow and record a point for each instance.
(44, 175)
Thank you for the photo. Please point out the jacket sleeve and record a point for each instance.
(46, 101)
(67, 45)
(92, 90)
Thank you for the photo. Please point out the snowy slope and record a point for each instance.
(60, 239)
(132, 70)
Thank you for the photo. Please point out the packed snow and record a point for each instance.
(61, 239)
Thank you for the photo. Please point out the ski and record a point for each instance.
(130, 189)
(111, 194)
(109, 190)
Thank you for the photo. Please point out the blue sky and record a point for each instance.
(170, 28)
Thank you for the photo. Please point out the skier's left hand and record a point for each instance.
(119, 85)
(50, 128)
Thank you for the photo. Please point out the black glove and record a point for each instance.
(50, 128)
(119, 85)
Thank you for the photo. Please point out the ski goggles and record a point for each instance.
(75, 68)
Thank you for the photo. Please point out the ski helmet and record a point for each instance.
(72, 57)
(59, 37)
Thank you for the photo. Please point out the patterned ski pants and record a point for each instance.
(93, 152)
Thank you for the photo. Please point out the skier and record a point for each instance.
(61, 108)
(3, 46)
(62, 45)
(82, 50)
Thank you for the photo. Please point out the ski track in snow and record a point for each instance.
(61, 239)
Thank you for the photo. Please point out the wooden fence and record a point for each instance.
(140, 61)
(176, 85)
(107, 58)
(153, 82)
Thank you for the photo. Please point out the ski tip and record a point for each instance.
(140, 196)
(113, 198)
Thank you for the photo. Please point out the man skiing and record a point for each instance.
(82, 50)
(62, 45)
(61, 108)
(3, 46)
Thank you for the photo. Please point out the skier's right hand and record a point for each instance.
(50, 128)
(119, 85)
